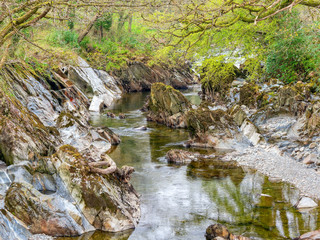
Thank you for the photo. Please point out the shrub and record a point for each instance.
(216, 75)
(295, 50)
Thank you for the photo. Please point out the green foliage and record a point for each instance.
(294, 51)
(216, 75)
(105, 22)
(61, 38)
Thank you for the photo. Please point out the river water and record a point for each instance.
(180, 202)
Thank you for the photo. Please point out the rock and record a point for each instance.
(311, 158)
(139, 77)
(106, 201)
(142, 128)
(178, 156)
(218, 231)
(313, 118)
(238, 114)
(251, 96)
(22, 133)
(43, 182)
(251, 132)
(306, 202)
(96, 105)
(167, 106)
(122, 116)
(312, 145)
(216, 78)
(211, 128)
(94, 83)
(314, 235)
(53, 216)
(111, 115)
(12, 228)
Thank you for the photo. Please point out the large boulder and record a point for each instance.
(211, 128)
(107, 202)
(22, 135)
(167, 106)
(51, 215)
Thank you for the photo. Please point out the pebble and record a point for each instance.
(312, 145)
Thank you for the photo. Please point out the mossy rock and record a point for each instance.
(251, 96)
(201, 120)
(165, 98)
(217, 76)
(108, 203)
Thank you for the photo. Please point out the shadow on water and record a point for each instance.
(179, 202)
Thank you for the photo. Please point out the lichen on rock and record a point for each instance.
(167, 106)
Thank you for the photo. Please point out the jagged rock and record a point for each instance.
(238, 114)
(11, 228)
(78, 133)
(107, 202)
(22, 133)
(167, 106)
(94, 83)
(251, 132)
(139, 77)
(313, 118)
(97, 104)
(211, 128)
(251, 96)
(216, 78)
(306, 202)
(43, 213)
(218, 231)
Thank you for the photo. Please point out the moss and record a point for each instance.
(199, 121)
(165, 98)
(216, 76)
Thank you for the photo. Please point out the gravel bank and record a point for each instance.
(270, 161)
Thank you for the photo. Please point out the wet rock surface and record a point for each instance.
(220, 232)
(43, 189)
(167, 106)
(139, 77)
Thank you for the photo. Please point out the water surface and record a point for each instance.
(180, 202)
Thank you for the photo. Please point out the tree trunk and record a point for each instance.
(130, 24)
(87, 30)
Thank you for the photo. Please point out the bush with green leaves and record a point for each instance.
(63, 38)
(295, 50)
(216, 75)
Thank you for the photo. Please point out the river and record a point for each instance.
(180, 202)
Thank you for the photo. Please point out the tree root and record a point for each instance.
(96, 167)
(123, 173)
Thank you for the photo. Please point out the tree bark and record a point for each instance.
(87, 30)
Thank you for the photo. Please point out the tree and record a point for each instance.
(193, 17)
(16, 15)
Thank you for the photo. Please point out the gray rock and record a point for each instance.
(311, 158)
(306, 202)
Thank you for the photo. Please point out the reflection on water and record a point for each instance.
(180, 202)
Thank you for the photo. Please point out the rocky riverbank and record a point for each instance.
(57, 179)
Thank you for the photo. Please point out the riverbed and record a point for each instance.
(180, 202)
